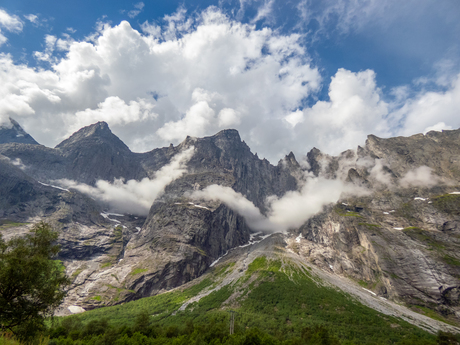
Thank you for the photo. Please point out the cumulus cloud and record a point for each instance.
(135, 197)
(289, 211)
(354, 110)
(432, 110)
(216, 72)
(201, 73)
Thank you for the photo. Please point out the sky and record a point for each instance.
(289, 75)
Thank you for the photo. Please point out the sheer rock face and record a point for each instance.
(401, 240)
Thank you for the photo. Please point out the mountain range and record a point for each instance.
(380, 222)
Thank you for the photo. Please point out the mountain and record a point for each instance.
(394, 229)
(13, 133)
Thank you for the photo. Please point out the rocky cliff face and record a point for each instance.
(115, 257)
(399, 239)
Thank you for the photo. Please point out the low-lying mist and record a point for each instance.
(134, 197)
(289, 211)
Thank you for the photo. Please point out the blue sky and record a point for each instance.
(289, 75)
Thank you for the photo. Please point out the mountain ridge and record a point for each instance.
(380, 238)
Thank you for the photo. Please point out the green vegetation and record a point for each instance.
(406, 210)
(31, 282)
(429, 312)
(424, 236)
(138, 270)
(281, 304)
(451, 260)
(370, 225)
(344, 213)
(5, 224)
(448, 203)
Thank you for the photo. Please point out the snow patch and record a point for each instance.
(418, 198)
(115, 214)
(455, 193)
(138, 229)
(106, 216)
(298, 238)
(331, 267)
(217, 260)
(386, 212)
(398, 228)
(50, 185)
(370, 291)
(75, 309)
(251, 241)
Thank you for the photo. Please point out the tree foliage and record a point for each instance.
(32, 284)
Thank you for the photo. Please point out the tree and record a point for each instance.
(32, 284)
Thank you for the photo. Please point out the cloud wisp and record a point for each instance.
(287, 212)
(134, 197)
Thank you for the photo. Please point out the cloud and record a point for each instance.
(238, 203)
(9, 23)
(355, 109)
(116, 111)
(138, 9)
(33, 18)
(287, 212)
(216, 72)
(264, 12)
(420, 177)
(432, 110)
(196, 74)
(135, 197)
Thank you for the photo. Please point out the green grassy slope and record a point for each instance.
(277, 302)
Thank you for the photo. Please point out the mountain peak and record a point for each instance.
(96, 133)
(13, 133)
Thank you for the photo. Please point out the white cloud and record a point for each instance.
(238, 203)
(135, 197)
(432, 110)
(115, 111)
(33, 18)
(244, 77)
(291, 210)
(355, 109)
(9, 22)
(198, 74)
(420, 177)
(138, 9)
(264, 12)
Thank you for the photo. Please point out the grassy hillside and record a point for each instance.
(276, 302)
